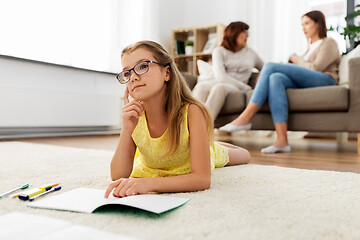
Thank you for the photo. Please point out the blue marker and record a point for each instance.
(42, 194)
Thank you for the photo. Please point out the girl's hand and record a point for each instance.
(130, 113)
(127, 186)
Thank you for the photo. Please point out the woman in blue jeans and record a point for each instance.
(317, 67)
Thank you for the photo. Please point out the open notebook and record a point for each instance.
(88, 200)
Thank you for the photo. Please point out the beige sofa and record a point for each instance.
(320, 109)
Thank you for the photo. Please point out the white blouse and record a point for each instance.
(312, 48)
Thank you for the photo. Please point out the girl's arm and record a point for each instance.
(122, 161)
(198, 179)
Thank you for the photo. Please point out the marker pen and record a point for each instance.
(44, 193)
(27, 196)
(13, 190)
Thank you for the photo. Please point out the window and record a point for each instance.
(335, 12)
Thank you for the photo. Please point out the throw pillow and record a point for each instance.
(344, 65)
(205, 71)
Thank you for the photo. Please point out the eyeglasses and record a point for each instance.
(140, 69)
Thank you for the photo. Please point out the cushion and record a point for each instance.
(323, 99)
(205, 71)
(344, 65)
(235, 102)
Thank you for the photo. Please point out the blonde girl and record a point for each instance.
(166, 141)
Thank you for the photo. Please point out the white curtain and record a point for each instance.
(275, 25)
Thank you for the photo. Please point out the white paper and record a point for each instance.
(88, 199)
(19, 226)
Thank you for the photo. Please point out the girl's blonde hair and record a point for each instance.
(177, 94)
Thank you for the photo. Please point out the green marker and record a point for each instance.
(15, 189)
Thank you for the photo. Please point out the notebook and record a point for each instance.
(87, 200)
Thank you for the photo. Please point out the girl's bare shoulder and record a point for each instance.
(195, 112)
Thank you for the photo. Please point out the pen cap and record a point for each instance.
(24, 197)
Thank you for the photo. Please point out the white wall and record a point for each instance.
(35, 94)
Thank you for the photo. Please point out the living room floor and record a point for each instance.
(307, 153)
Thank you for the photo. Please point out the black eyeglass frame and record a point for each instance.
(123, 80)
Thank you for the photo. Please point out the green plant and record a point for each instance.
(189, 43)
(351, 32)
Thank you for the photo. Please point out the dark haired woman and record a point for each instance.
(317, 67)
(232, 65)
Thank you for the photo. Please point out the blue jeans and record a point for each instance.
(275, 78)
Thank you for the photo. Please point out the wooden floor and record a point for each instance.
(307, 153)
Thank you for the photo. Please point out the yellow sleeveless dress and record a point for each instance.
(149, 163)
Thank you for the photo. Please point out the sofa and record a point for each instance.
(319, 109)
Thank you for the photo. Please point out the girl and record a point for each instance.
(166, 141)
(318, 67)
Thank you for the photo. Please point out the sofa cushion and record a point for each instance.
(205, 71)
(234, 103)
(328, 98)
(190, 79)
(344, 65)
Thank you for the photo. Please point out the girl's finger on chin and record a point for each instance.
(126, 95)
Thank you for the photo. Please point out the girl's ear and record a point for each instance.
(167, 74)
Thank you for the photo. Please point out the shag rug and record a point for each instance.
(244, 202)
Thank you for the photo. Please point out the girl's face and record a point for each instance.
(310, 28)
(152, 83)
(242, 38)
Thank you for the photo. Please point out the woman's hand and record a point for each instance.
(128, 186)
(130, 113)
(294, 58)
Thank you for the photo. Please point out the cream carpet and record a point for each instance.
(244, 202)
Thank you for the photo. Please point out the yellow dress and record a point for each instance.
(149, 163)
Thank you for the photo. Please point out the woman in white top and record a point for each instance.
(232, 64)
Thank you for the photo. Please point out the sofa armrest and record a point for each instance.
(190, 79)
(252, 79)
(354, 88)
(354, 73)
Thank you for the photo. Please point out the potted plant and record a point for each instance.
(189, 46)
